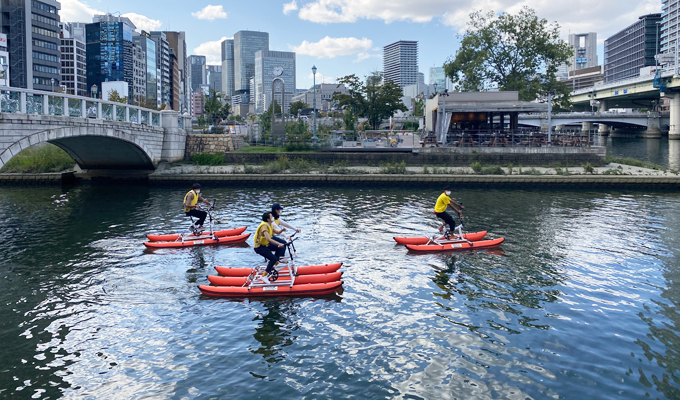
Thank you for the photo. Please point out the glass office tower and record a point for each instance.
(109, 51)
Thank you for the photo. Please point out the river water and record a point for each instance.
(580, 301)
(662, 152)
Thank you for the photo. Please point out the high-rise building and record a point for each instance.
(109, 47)
(174, 82)
(178, 46)
(421, 78)
(228, 67)
(73, 66)
(585, 50)
(138, 74)
(33, 43)
(197, 71)
(4, 61)
(74, 30)
(438, 76)
(670, 28)
(163, 63)
(271, 69)
(631, 48)
(246, 44)
(400, 62)
(148, 47)
(214, 78)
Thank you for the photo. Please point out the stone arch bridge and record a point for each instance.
(97, 134)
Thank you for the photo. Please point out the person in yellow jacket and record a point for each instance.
(191, 206)
(265, 245)
(444, 201)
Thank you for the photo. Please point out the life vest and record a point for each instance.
(260, 239)
(193, 201)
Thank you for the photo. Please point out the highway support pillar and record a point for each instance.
(603, 128)
(674, 124)
(653, 130)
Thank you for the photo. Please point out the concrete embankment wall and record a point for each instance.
(573, 182)
(449, 157)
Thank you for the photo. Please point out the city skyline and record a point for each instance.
(354, 43)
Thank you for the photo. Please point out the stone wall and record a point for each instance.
(211, 143)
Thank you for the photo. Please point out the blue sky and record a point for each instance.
(343, 37)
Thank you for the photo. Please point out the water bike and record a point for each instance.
(455, 241)
(286, 279)
(196, 236)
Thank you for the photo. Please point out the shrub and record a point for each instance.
(340, 167)
(510, 167)
(425, 170)
(297, 146)
(493, 170)
(530, 171)
(41, 158)
(396, 168)
(208, 159)
(476, 166)
(588, 168)
(301, 166)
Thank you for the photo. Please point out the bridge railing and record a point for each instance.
(26, 101)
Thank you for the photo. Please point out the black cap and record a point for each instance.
(196, 186)
(277, 206)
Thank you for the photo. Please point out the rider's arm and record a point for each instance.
(204, 201)
(460, 212)
(269, 239)
(187, 204)
(276, 230)
(287, 225)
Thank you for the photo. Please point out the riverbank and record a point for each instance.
(612, 175)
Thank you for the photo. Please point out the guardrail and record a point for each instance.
(37, 102)
(622, 82)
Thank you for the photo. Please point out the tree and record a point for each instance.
(510, 52)
(382, 100)
(115, 97)
(372, 99)
(297, 106)
(274, 105)
(213, 108)
(147, 103)
(298, 131)
(350, 120)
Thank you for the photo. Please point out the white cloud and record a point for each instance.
(329, 47)
(75, 11)
(290, 7)
(605, 17)
(366, 55)
(210, 13)
(321, 78)
(144, 23)
(211, 50)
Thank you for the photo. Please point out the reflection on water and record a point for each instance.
(579, 302)
(674, 154)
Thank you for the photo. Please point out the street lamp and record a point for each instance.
(314, 138)
(52, 84)
(435, 93)
(94, 91)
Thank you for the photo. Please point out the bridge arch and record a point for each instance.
(91, 148)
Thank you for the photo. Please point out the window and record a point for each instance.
(44, 32)
(44, 20)
(45, 57)
(44, 7)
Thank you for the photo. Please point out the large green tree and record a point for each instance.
(375, 98)
(213, 108)
(511, 52)
(297, 106)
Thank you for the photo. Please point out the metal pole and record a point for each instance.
(444, 115)
(314, 105)
(549, 115)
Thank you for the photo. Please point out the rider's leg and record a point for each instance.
(265, 252)
(279, 251)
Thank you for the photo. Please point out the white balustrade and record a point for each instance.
(10, 96)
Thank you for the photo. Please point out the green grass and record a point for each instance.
(37, 159)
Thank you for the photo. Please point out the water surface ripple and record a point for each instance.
(580, 301)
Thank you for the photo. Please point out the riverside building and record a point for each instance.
(632, 48)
